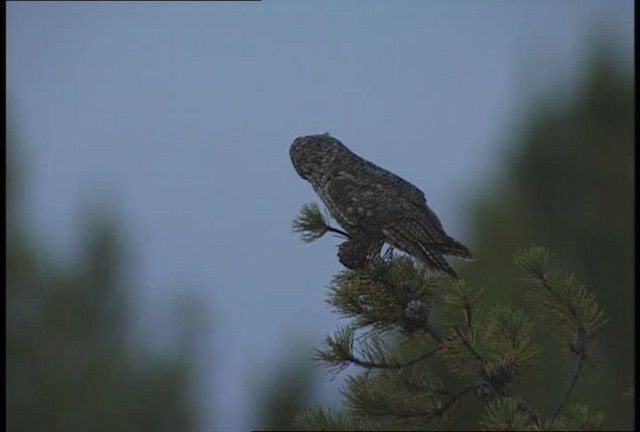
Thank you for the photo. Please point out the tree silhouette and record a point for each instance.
(569, 185)
(72, 363)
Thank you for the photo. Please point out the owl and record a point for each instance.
(373, 205)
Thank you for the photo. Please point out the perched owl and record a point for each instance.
(373, 205)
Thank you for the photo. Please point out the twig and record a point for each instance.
(373, 365)
(420, 388)
(467, 312)
(525, 406)
(433, 332)
(420, 358)
(337, 231)
(522, 404)
(581, 353)
(470, 348)
(437, 411)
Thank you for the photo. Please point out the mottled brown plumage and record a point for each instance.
(372, 205)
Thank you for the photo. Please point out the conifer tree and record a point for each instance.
(410, 330)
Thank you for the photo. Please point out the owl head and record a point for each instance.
(314, 156)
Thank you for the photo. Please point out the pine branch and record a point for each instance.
(579, 417)
(442, 409)
(339, 353)
(533, 412)
(428, 389)
(393, 365)
(392, 294)
(337, 231)
(563, 297)
(384, 410)
(568, 301)
(505, 414)
(509, 337)
(318, 418)
(480, 361)
(581, 354)
(312, 225)
(434, 332)
(418, 359)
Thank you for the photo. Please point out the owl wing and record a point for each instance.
(385, 205)
(376, 198)
(413, 217)
(351, 201)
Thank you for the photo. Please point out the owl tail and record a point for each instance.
(456, 249)
(435, 260)
(427, 252)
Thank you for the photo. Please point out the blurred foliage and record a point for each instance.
(289, 389)
(569, 185)
(72, 363)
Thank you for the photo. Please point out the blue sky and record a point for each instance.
(180, 115)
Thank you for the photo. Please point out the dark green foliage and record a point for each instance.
(395, 337)
(72, 363)
(569, 185)
(287, 391)
(569, 305)
(503, 414)
(578, 417)
(326, 420)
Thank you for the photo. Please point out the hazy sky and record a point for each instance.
(180, 116)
